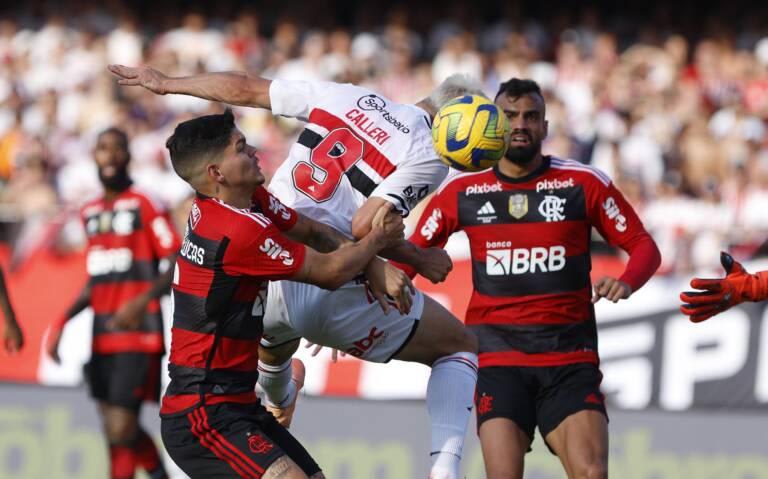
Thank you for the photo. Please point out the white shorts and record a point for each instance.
(343, 319)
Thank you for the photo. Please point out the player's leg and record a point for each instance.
(442, 342)
(281, 378)
(574, 422)
(504, 446)
(230, 441)
(121, 428)
(132, 379)
(506, 419)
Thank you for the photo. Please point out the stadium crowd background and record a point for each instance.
(672, 103)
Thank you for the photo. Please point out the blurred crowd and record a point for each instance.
(677, 117)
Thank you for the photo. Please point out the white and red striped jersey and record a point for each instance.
(356, 144)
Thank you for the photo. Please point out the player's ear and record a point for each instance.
(546, 128)
(214, 172)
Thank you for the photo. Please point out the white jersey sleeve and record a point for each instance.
(411, 183)
(296, 99)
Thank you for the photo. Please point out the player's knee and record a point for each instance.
(120, 432)
(591, 469)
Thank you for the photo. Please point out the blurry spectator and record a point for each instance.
(677, 113)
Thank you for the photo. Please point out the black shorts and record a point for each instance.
(230, 440)
(538, 396)
(124, 379)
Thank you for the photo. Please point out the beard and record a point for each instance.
(118, 182)
(522, 155)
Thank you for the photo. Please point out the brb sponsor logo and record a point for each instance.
(613, 212)
(362, 346)
(484, 188)
(502, 260)
(549, 185)
(272, 249)
(432, 224)
(374, 102)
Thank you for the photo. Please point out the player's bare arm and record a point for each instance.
(13, 338)
(332, 270)
(316, 235)
(432, 263)
(130, 315)
(383, 278)
(235, 88)
(81, 302)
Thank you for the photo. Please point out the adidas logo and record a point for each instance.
(486, 209)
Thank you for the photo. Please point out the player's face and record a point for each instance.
(527, 124)
(240, 166)
(111, 156)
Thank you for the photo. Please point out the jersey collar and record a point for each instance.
(535, 173)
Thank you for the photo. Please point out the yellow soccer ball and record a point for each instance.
(470, 133)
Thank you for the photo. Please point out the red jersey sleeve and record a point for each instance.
(438, 221)
(281, 215)
(261, 250)
(162, 235)
(618, 223)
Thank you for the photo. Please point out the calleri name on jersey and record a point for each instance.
(529, 240)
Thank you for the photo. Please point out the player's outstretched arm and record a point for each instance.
(717, 295)
(432, 263)
(13, 338)
(235, 88)
(332, 270)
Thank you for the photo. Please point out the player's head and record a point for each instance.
(522, 102)
(209, 151)
(112, 156)
(454, 86)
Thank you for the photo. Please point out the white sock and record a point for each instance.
(276, 383)
(450, 394)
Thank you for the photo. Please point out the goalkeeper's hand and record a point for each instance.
(717, 295)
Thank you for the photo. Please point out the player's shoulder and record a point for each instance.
(585, 174)
(238, 222)
(145, 198)
(482, 181)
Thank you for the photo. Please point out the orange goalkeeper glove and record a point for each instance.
(720, 294)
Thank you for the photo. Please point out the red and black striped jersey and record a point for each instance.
(529, 239)
(219, 293)
(127, 238)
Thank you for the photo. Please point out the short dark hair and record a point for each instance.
(199, 138)
(113, 130)
(517, 87)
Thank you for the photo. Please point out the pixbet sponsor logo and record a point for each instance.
(555, 184)
(506, 261)
(484, 188)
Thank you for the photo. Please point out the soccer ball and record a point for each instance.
(470, 133)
